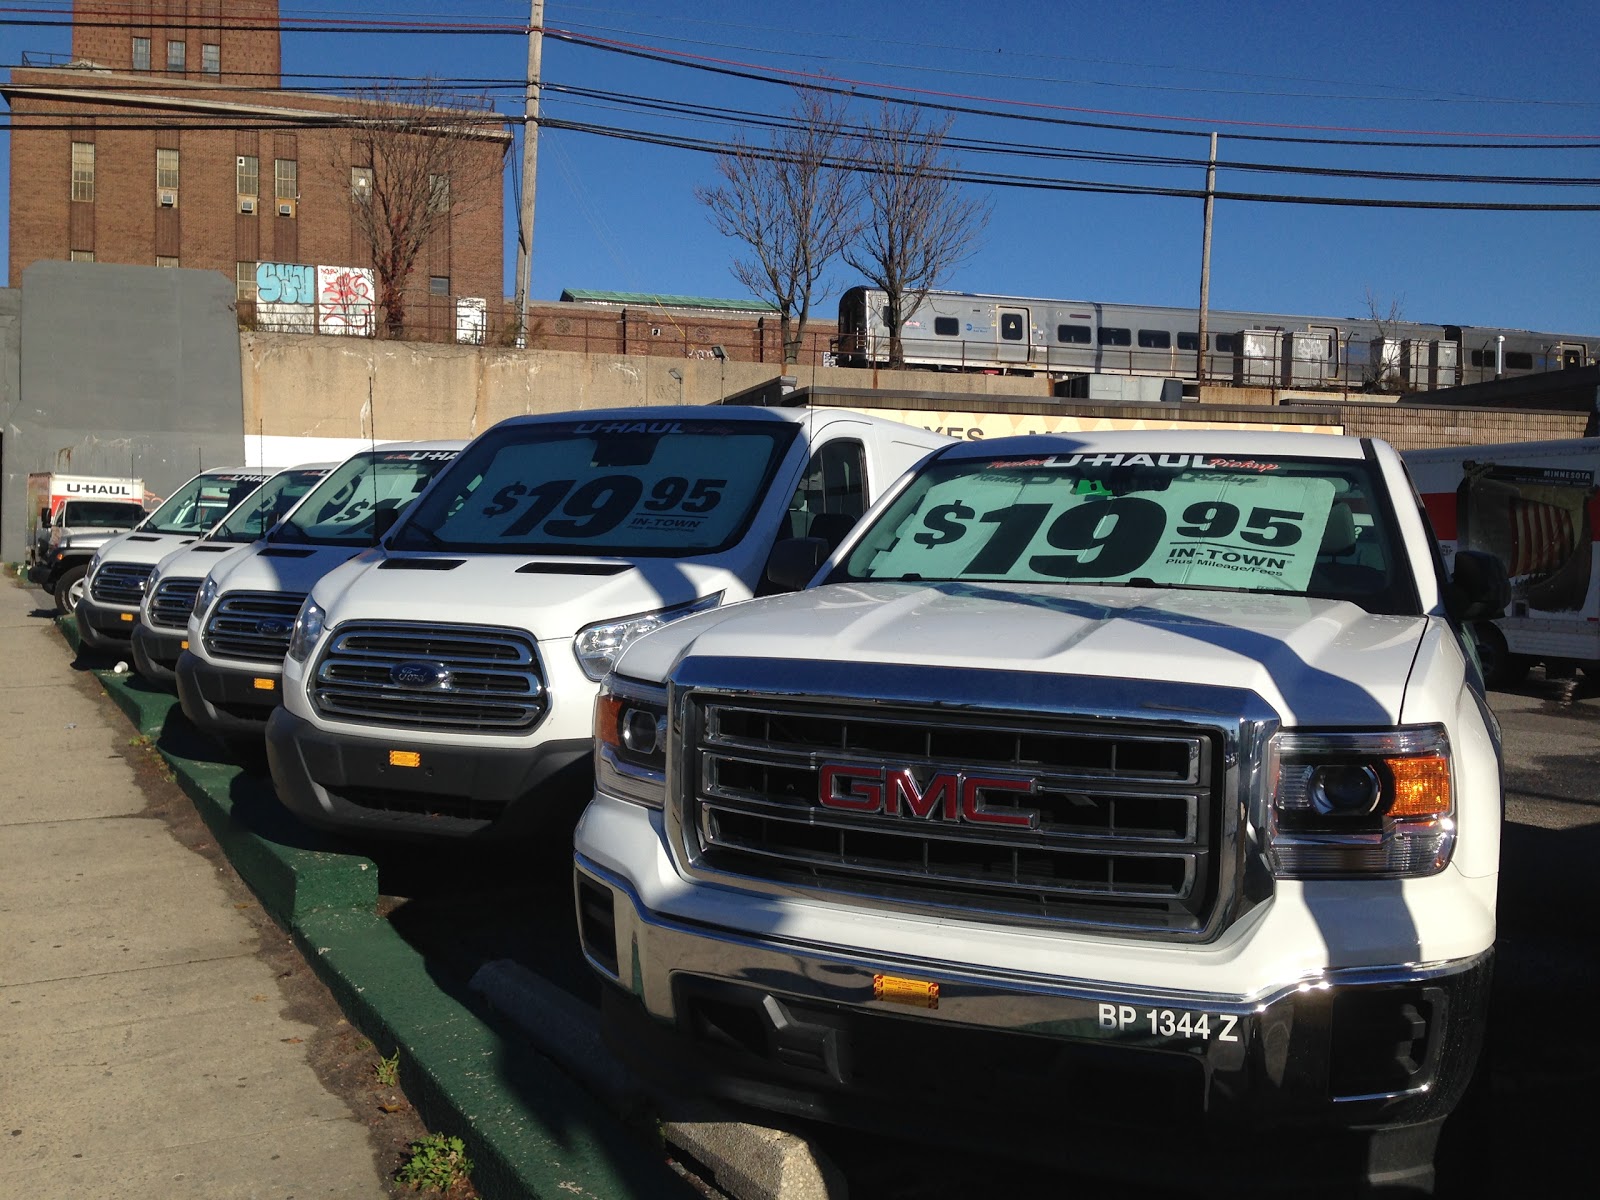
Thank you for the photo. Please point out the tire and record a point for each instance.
(69, 587)
(1501, 668)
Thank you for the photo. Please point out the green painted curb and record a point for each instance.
(532, 1131)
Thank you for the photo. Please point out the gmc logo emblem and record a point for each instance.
(947, 796)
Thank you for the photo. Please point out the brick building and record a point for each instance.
(167, 140)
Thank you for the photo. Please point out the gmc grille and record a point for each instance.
(1068, 819)
(121, 583)
(254, 626)
(484, 679)
(173, 602)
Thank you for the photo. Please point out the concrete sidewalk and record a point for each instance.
(142, 1051)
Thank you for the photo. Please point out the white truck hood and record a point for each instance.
(139, 547)
(196, 560)
(550, 597)
(270, 567)
(1342, 665)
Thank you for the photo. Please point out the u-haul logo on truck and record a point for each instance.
(121, 490)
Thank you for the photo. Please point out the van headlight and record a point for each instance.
(206, 597)
(630, 741)
(599, 646)
(308, 626)
(1362, 805)
(94, 565)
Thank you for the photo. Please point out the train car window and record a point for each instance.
(1225, 343)
(1477, 358)
(1073, 335)
(1188, 341)
(1519, 360)
(946, 326)
(1011, 327)
(1115, 337)
(1155, 339)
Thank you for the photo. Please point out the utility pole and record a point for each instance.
(1205, 266)
(530, 168)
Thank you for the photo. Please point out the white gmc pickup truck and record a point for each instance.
(1127, 798)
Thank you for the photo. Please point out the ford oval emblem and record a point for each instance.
(274, 627)
(419, 675)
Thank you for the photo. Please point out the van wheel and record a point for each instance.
(1501, 668)
(69, 587)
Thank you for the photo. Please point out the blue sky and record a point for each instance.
(621, 215)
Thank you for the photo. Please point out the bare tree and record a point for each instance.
(919, 223)
(1382, 372)
(418, 155)
(792, 204)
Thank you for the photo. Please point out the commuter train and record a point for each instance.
(960, 331)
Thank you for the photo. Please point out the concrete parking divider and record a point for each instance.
(531, 1129)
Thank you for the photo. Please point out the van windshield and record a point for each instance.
(266, 508)
(610, 487)
(342, 509)
(1290, 526)
(104, 514)
(202, 502)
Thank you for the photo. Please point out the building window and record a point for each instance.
(247, 175)
(438, 285)
(177, 56)
(244, 280)
(83, 171)
(81, 256)
(141, 54)
(211, 58)
(439, 193)
(167, 170)
(361, 184)
(286, 178)
(166, 260)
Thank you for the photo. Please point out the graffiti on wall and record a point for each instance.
(286, 297)
(346, 301)
(472, 318)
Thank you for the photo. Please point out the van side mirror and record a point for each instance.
(382, 521)
(794, 561)
(1479, 588)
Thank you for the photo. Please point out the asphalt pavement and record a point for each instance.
(144, 1049)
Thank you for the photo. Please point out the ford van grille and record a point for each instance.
(1099, 823)
(121, 583)
(173, 602)
(253, 626)
(455, 677)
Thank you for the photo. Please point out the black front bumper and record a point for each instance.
(346, 783)
(156, 652)
(102, 627)
(226, 702)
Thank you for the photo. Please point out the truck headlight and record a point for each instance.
(308, 626)
(630, 741)
(599, 646)
(206, 597)
(1362, 804)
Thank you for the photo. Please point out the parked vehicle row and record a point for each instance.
(1152, 768)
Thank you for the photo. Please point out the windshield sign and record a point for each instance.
(198, 505)
(264, 509)
(603, 487)
(341, 510)
(1298, 526)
